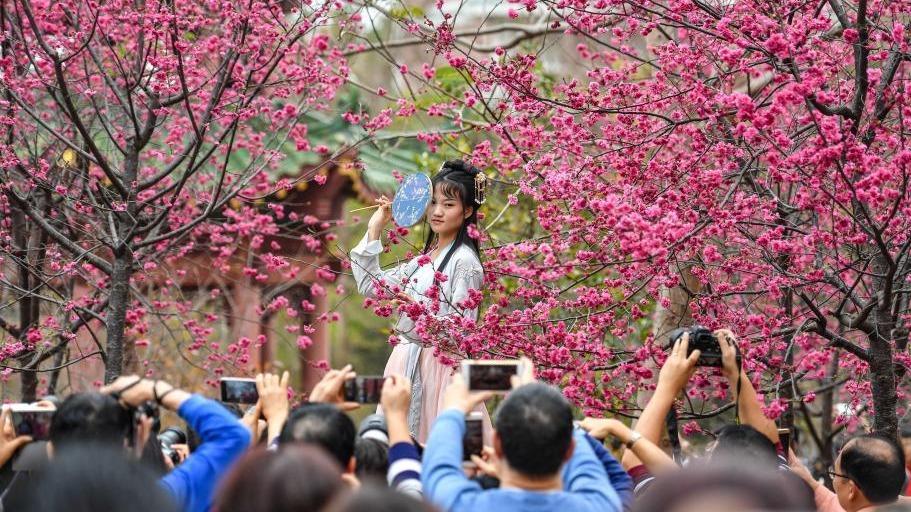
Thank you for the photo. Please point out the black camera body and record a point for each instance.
(171, 436)
(704, 340)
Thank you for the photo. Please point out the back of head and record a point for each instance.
(296, 478)
(371, 498)
(721, 487)
(90, 417)
(743, 442)
(323, 425)
(372, 459)
(876, 465)
(535, 427)
(94, 477)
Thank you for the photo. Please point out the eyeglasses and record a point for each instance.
(831, 472)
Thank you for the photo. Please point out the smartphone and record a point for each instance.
(490, 375)
(238, 391)
(784, 435)
(31, 420)
(364, 390)
(473, 442)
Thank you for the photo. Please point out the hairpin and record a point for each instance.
(480, 187)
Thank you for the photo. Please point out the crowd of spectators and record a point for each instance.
(104, 454)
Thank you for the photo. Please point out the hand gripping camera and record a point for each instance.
(703, 339)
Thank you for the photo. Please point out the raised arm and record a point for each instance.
(644, 449)
(673, 377)
(749, 407)
(365, 257)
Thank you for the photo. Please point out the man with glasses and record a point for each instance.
(868, 472)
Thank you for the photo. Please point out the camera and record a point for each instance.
(169, 437)
(364, 390)
(473, 441)
(31, 420)
(490, 375)
(238, 391)
(704, 340)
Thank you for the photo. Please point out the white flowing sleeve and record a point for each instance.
(467, 274)
(365, 265)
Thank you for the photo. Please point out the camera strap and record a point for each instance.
(740, 376)
(670, 422)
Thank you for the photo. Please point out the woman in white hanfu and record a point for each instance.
(458, 190)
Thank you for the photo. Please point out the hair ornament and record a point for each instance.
(480, 187)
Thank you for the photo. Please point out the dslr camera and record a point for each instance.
(704, 340)
(171, 436)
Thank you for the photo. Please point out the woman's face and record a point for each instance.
(446, 214)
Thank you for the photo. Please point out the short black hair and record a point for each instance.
(323, 425)
(372, 458)
(535, 426)
(876, 465)
(743, 442)
(90, 417)
(95, 477)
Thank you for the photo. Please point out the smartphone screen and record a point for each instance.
(33, 421)
(473, 442)
(364, 390)
(238, 391)
(489, 375)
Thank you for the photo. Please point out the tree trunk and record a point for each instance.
(882, 365)
(117, 312)
(882, 376)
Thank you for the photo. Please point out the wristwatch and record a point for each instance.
(635, 436)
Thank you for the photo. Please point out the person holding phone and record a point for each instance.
(450, 249)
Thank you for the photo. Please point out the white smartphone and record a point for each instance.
(490, 374)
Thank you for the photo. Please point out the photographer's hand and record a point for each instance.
(678, 368)
(273, 395)
(488, 463)
(526, 373)
(749, 407)
(458, 396)
(395, 400)
(331, 388)
(728, 343)
(9, 442)
(251, 420)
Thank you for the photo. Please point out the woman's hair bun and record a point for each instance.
(460, 166)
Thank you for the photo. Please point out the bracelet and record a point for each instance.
(159, 398)
(635, 436)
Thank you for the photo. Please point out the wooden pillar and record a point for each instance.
(319, 350)
(247, 321)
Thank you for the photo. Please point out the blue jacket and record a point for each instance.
(223, 440)
(584, 478)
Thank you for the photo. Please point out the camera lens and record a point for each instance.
(171, 436)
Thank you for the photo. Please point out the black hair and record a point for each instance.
(876, 465)
(292, 479)
(535, 426)
(743, 442)
(372, 458)
(371, 498)
(456, 179)
(94, 477)
(91, 417)
(752, 487)
(323, 425)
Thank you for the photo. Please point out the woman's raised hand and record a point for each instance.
(379, 219)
